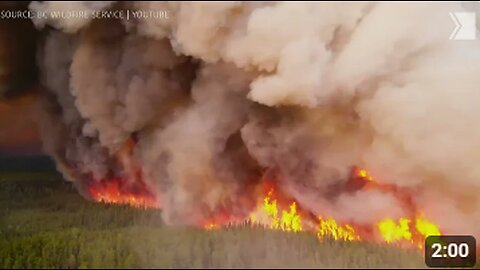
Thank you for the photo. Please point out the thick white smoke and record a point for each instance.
(217, 92)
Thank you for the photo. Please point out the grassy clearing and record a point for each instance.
(44, 223)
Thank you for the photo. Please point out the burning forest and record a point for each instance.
(345, 120)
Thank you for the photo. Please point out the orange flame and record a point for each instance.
(271, 213)
(274, 211)
(132, 190)
(268, 214)
(115, 191)
(392, 231)
(330, 228)
(362, 173)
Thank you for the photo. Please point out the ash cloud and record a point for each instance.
(219, 92)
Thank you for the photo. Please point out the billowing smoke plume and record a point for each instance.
(216, 95)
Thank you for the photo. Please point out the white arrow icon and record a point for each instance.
(465, 28)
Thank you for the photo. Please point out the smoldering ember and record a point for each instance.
(344, 118)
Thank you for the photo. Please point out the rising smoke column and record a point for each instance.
(219, 92)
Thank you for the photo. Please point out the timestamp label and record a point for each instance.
(450, 251)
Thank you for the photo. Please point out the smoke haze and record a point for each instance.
(218, 95)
